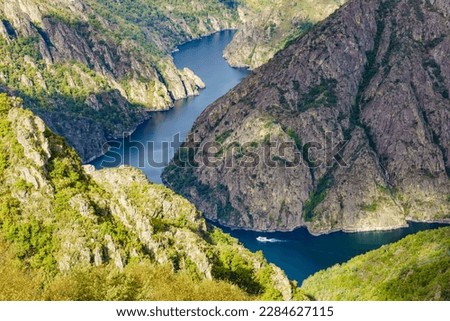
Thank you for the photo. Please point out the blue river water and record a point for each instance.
(204, 57)
(298, 253)
(301, 254)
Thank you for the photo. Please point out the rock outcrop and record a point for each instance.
(86, 66)
(267, 26)
(361, 106)
(60, 56)
(58, 215)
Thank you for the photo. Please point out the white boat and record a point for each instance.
(264, 239)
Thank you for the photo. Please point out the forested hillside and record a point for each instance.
(102, 231)
(415, 268)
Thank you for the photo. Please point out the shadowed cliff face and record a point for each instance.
(97, 67)
(363, 103)
(94, 68)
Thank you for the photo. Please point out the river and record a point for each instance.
(204, 57)
(298, 253)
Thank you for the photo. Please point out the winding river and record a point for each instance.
(298, 253)
(157, 135)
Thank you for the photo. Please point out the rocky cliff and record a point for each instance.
(267, 26)
(345, 129)
(416, 268)
(58, 216)
(93, 69)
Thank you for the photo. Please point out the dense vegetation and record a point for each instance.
(415, 268)
(138, 281)
(69, 235)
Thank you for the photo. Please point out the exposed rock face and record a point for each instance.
(81, 216)
(267, 26)
(59, 41)
(390, 273)
(89, 135)
(376, 76)
(62, 53)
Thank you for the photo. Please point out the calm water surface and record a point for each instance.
(204, 57)
(298, 253)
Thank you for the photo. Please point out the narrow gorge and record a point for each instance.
(164, 150)
(362, 100)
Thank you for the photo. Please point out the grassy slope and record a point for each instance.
(138, 281)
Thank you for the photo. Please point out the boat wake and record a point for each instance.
(264, 239)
